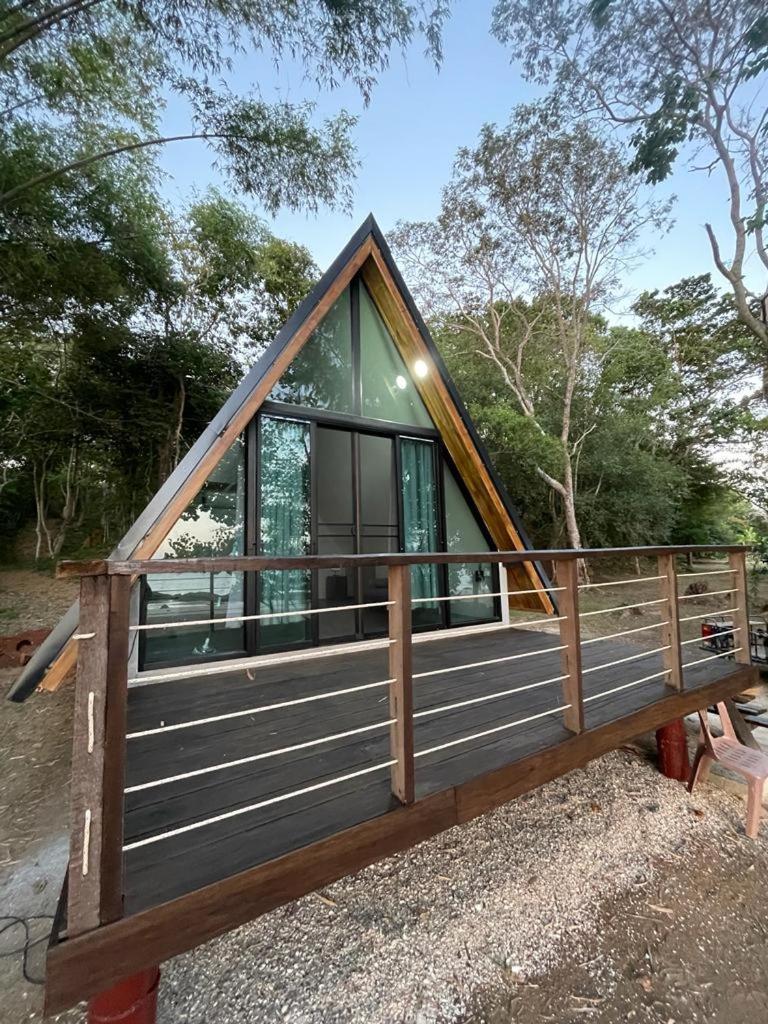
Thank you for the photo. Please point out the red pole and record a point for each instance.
(131, 1001)
(673, 751)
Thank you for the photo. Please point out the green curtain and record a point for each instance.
(284, 492)
(420, 514)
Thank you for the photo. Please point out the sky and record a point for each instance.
(407, 138)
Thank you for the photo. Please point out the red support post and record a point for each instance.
(131, 1001)
(673, 751)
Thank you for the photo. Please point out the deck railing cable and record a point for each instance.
(449, 714)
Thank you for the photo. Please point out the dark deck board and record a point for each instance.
(178, 864)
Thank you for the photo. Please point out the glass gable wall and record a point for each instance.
(213, 525)
(354, 481)
(463, 533)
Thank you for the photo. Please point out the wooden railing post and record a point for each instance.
(95, 889)
(567, 576)
(401, 687)
(738, 561)
(670, 615)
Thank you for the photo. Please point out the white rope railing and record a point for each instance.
(709, 572)
(267, 661)
(625, 632)
(480, 664)
(458, 597)
(489, 732)
(620, 583)
(255, 807)
(225, 619)
(440, 708)
(626, 686)
(623, 661)
(706, 615)
(711, 593)
(140, 734)
(711, 657)
(258, 757)
(712, 636)
(623, 607)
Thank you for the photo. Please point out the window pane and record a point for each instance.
(420, 510)
(320, 377)
(335, 531)
(464, 534)
(388, 390)
(284, 528)
(212, 525)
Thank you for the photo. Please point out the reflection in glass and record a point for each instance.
(388, 390)
(211, 526)
(284, 512)
(320, 377)
(420, 512)
(464, 534)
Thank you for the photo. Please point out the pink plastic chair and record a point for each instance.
(752, 764)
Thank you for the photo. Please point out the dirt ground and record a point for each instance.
(682, 939)
(690, 946)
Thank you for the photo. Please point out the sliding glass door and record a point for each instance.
(332, 491)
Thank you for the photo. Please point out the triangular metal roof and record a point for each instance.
(368, 239)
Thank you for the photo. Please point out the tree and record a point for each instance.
(102, 68)
(550, 210)
(679, 76)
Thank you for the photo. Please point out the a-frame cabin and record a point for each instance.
(254, 716)
(346, 437)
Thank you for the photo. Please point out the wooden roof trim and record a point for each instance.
(457, 439)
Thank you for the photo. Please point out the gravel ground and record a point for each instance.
(428, 935)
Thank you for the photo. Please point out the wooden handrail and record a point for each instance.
(256, 563)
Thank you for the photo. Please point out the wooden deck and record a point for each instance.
(200, 855)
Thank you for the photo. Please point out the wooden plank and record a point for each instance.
(670, 634)
(738, 561)
(567, 575)
(116, 717)
(401, 687)
(486, 793)
(85, 852)
(80, 967)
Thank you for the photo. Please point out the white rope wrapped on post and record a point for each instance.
(255, 807)
(225, 619)
(626, 686)
(140, 734)
(258, 757)
(489, 732)
(440, 708)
